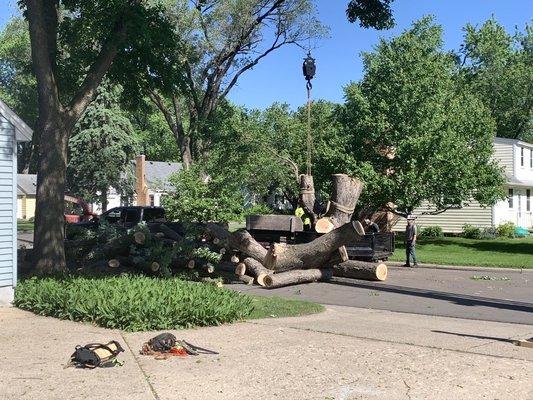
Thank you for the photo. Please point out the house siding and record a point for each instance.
(451, 221)
(504, 153)
(8, 201)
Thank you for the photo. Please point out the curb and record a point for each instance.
(399, 265)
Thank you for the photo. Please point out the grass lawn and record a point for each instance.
(500, 252)
(24, 225)
(265, 307)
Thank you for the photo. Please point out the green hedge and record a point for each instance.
(132, 303)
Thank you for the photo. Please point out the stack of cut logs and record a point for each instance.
(279, 265)
(326, 256)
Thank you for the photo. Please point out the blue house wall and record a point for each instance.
(8, 210)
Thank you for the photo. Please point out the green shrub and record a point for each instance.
(257, 209)
(489, 233)
(194, 198)
(471, 232)
(507, 230)
(431, 231)
(132, 303)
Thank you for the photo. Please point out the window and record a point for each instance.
(510, 199)
(152, 200)
(531, 158)
(154, 215)
(112, 216)
(521, 156)
(528, 199)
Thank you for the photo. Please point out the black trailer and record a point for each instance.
(267, 229)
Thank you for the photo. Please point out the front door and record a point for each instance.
(523, 208)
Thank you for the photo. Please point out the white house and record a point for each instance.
(516, 157)
(151, 178)
(12, 130)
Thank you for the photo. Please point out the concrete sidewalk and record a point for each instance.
(343, 353)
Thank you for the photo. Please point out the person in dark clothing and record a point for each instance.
(371, 227)
(410, 242)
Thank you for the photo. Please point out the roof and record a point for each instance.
(23, 132)
(26, 184)
(158, 172)
(517, 182)
(518, 142)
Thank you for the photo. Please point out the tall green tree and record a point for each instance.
(499, 67)
(70, 57)
(220, 40)
(417, 133)
(101, 149)
(17, 81)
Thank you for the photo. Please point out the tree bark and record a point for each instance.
(361, 270)
(240, 240)
(307, 197)
(256, 269)
(315, 254)
(49, 232)
(295, 277)
(346, 192)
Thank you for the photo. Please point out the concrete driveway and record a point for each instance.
(342, 354)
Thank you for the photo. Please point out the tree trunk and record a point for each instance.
(296, 276)
(48, 249)
(315, 254)
(307, 197)
(240, 240)
(361, 270)
(256, 269)
(185, 151)
(346, 192)
(103, 199)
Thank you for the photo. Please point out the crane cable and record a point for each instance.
(309, 70)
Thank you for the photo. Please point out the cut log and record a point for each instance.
(113, 263)
(315, 254)
(324, 225)
(139, 237)
(256, 269)
(246, 279)
(344, 197)
(361, 270)
(191, 264)
(154, 266)
(307, 197)
(210, 268)
(240, 240)
(240, 269)
(295, 277)
(170, 233)
(235, 259)
(222, 251)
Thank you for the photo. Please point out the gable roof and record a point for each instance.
(158, 172)
(23, 132)
(26, 184)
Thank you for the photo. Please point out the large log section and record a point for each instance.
(316, 254)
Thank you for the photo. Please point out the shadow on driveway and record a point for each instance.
(460, 299)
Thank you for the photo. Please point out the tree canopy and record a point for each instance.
(102, 148)
(417, 132)
(499, 67)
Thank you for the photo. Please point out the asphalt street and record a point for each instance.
(490, 295)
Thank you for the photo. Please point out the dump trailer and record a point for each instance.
(267, 229)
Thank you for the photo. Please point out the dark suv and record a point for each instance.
(129, 216)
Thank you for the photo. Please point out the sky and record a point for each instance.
(278, 77)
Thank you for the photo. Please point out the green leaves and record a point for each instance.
(417, 133)
(132, 303)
